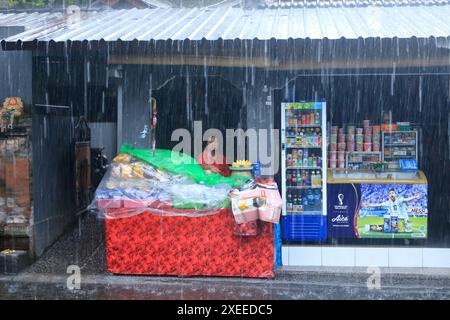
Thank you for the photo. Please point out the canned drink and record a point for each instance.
(394, 224)
(359, 138)
(387, 223)
(367, 147)
(359, 147)
(366, 123)
(256, 169)
(376, 147)
(376, 138)
(359, 131)
(350, 146)
(341, 138)
(350, 130)
(376, 129)
(342, 146)
(367, 138)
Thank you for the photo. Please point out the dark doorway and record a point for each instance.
(213, 101)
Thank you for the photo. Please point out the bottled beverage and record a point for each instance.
(319, 138)
(314, 179)
(311, 200)
(305, 203)
(305, 158)
(317, 117)
(294, 179)
(319, 179)
(312, 118)
(303, 179)
(299, 157)
(310, 161)
(289, 202)
(317, 198)
(308, 179)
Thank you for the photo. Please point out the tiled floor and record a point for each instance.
(366, 256)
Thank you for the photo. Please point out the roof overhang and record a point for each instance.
(194, 24)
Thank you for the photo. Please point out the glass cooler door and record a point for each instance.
(303, 170)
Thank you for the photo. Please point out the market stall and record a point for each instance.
(165, 216)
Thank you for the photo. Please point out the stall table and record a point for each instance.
(187, 246)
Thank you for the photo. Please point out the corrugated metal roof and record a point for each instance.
(350, 3)
(237, 23)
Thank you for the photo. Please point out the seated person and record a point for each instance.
(211, 160)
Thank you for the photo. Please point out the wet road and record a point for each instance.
(84, 246)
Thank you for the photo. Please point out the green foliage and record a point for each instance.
(21, 4)
(27, 3)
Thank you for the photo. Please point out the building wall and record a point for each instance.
(16, 75)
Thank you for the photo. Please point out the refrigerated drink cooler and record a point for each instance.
(303, 165)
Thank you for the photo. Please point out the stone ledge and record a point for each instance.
(14, 262)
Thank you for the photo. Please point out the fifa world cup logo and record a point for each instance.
(341, 199)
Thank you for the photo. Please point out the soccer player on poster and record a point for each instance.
(394, 204)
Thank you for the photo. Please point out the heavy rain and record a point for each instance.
(224, 149)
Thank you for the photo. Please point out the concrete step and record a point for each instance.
(14, 262)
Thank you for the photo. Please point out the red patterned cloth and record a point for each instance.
(187, 246)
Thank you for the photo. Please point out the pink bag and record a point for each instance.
(244, 205)
(270, 211)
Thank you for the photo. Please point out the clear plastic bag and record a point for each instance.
(132, 187)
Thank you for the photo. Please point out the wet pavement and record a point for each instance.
(84, 247)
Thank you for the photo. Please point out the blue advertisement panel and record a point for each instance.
(377, 210)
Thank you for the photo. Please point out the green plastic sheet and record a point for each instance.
(181, 163)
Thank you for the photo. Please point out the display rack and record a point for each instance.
(396, 145)
(360, 160)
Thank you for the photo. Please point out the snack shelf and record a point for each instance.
(304, 126)
(303, 147)
(304, 168)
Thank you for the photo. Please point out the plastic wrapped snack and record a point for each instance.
(155, 185)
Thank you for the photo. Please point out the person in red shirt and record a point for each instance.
(211, 160)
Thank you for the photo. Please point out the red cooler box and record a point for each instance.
(187, 246)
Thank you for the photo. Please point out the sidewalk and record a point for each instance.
(84, 247)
